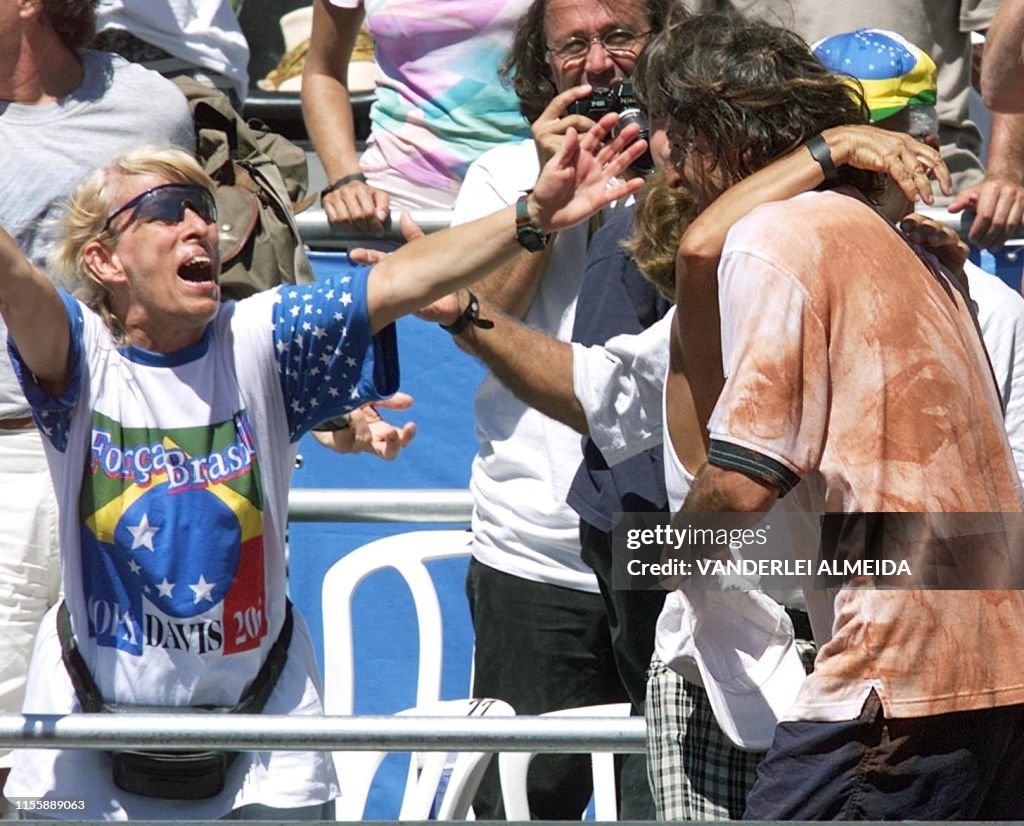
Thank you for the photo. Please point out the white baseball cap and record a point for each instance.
(739, 645)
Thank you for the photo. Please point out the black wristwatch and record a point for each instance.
(528, 236)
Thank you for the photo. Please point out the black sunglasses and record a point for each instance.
(168, 203)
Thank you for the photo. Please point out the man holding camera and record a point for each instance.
(542, 630)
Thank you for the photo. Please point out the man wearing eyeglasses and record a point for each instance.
(543, 639)
(62, 111)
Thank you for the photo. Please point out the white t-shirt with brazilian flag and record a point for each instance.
(173, 473)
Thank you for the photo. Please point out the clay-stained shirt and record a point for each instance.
(851, 364)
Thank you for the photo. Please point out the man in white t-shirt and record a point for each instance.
(542, 637)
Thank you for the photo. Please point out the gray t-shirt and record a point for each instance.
(49, 148)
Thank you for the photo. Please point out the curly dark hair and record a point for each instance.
(74, 21)
(525, 68)
(750, 91)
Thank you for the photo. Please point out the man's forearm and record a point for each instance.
(1002, 71)
(717, 490)
(512, 287)
(1006, 147)
(535, 366)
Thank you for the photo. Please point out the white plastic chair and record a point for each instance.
(513, 768)
(406, 553)
(356, 770)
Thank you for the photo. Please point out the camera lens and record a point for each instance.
(644, 165)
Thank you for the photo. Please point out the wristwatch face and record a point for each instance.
(528, 235)
(531, 238)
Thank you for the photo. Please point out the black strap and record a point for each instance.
(470, 315)
(85, 687)
(253, 700)
(342, 181)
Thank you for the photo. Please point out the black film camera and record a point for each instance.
(618, 97)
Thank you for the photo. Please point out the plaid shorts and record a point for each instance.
(696, 773)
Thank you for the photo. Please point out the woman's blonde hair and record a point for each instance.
(89, 207)
(662, 215)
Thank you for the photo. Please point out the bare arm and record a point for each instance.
(35, 317)
(716, 490)
(1002, 71)
(535, 366)
(327, 109)
(512, 287)
(575, 184)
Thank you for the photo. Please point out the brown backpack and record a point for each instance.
(261, 179)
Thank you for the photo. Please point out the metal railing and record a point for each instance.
(261, 732)
(380, 505)
(320, 235)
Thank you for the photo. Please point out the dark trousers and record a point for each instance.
(540, 648)
(632, 617)
(968, 765)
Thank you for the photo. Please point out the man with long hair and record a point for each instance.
(823, 307)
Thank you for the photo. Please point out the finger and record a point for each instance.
(362, 255)
(348, 213)
(592, 139)
(939, 170)
(627, 136)
(381, 207)
(388, 445)
(566, 155)
(999, 232)
(326, 439)
(372, 219)
(619, 190)
(901, 170)
(410, 229)
(333, 205)
(399, 401)
(923, 184)
(561, 102)
(984, 212)
(623, 159)
(1016, 215)
(963, 200)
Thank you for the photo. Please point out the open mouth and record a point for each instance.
(197, 270)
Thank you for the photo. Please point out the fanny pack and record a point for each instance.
(171, 775)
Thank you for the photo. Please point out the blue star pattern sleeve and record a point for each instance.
(53, 415)
(329, 363)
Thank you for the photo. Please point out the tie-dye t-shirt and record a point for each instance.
(439, 102)
(851, 365)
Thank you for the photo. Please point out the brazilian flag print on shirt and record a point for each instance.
(172, 538)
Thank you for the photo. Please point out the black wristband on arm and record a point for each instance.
(818, 147)
(471, 315)
(338, 184)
